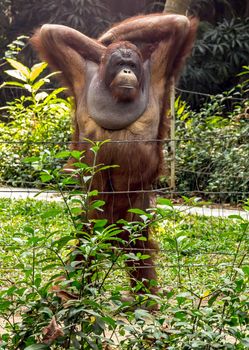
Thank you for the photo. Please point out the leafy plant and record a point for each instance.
(37, 123)
(203, 272)
(88, 16)
(218, 56)
(212, 151)
(78, 265)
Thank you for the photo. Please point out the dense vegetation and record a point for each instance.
(221, 49)
(219, 54)
(203, 272)
(212, 151)
(48, 299)
(36, 124)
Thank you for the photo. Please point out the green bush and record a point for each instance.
(213, 150)
(89, 16)
(35, 125)
(63, 295)
(218, 55)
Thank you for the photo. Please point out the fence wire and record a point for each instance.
(35, 189)
(24, 189)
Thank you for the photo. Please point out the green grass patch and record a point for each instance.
(203, 270)
(199, 251)
(196, 251)
(27, 230)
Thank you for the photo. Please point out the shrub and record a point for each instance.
(36, 124)
(213, 151)
(78, 261)
(218, 55)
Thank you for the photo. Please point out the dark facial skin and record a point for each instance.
(123, 74)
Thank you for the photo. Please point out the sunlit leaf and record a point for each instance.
(16, 74)
(37, 347)
(164, 201)
(19, 67)
(36, 70)
(50, 213)
(41, 96)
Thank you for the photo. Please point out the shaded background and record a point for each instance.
(221, 50)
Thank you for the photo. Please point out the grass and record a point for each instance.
(27, 224)
(205, 242)
(195, 250)
(201, 250)
(203, 269)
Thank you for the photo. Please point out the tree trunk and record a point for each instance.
(177, 6)
(247, 10)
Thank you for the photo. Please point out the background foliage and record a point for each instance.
(37, 125)
(219, 54)
(212, 154)
(221, 49)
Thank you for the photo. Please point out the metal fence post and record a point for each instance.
(172, 138)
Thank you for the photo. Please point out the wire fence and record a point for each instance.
(202, 242)
(205, 217)
(216, 210)
(197, 171)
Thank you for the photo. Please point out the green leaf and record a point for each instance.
(141, 314)
(110, 321)
(95, 149)
(76, 211)
(46, 177)
(12, 83)
(181, 315)
(180, 239)
(19, 67)
(38, 281)
(76, 154)
(36, 70)
(38, 85)
(144, 257)
(63, 154)
(100, 223)
(80, 165)
(137, 211)
(69, 181)
(29, 229)
(164, 201)
(237, 217)
(246, 270)
(16, 74)
(108, 167)
(62, 242)
(51, 213)
(37, 347)
(93, 193)
(97, 204)
(30, 159)
(213, 298)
